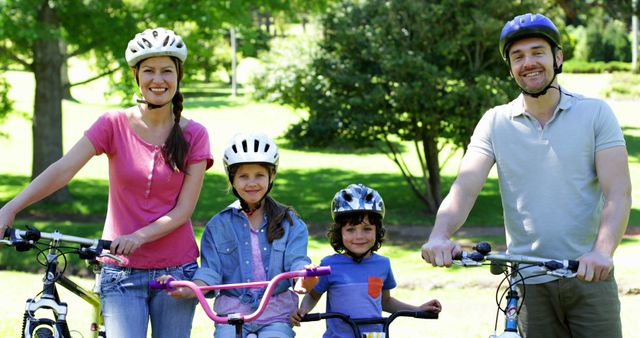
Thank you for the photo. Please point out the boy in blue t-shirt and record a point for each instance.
(360, 281)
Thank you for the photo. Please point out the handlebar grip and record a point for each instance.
(312, 317)
(106, 244)
(154, 284)
(318, 271)
(573, 265)
(426, 315)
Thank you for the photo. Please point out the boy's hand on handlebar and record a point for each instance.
(432, 305)
(439, 251)
(6, 221)
(306, 284)
(296, 317)
(594, 266)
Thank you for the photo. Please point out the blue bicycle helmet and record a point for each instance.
(525, 26)
(354, 198)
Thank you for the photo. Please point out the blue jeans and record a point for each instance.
(128, 303)
(273, 330)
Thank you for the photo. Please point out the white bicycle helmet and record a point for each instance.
(357, 197)
(155, 42)
(251, 148)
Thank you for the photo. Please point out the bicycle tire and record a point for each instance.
(43, 332)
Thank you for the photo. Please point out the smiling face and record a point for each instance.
(251, 181)
(158, 79)
(531, 62)
(359, 238)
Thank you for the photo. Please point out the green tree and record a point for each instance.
(405, 71)
(33, 32)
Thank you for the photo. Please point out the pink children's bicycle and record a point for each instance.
(238, 319)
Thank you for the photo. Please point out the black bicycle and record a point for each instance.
(51, 249)
(354, 323)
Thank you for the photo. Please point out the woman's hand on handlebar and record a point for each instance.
(439, 251)
(306, 284)
(6, 221)
(181, 292)
(126, 245)
(431, 306)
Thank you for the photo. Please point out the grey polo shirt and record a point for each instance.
(550, 192)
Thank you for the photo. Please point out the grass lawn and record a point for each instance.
(467, 294)
(307, 181)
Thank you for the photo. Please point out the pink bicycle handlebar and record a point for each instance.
(172, 284)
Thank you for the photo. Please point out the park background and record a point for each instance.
(271, 58)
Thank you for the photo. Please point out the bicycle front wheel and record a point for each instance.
(43, 332)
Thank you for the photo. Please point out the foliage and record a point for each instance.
(624, 85)
(381, 75)
(6, 104)
(578, 66)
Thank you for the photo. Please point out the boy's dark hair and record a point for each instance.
(356, 217)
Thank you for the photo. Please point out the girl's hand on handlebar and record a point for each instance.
(439, 251)
(306, 284)
(180, 292)
(432, 305)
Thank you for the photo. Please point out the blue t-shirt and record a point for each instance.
(355, 289)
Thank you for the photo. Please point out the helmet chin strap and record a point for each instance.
(149, 104)
(357, 258)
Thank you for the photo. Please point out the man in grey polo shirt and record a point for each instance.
(564, 182)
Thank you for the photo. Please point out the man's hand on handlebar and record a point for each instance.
(439, 251)
(594, 266)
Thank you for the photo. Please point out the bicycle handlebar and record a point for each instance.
(171, 284)
(354, 322)
(482, 253)
(24, 240)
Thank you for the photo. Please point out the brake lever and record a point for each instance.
(115, 258)
(562, 273)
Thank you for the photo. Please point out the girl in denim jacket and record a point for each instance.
(253, 239)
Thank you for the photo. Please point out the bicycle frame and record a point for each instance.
(238, 319)
(510, 265)
(355, 322)
(49, 298)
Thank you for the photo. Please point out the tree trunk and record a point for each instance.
(430, 145)
(64, 75)
(47, 114)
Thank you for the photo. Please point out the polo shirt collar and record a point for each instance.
(566, 101)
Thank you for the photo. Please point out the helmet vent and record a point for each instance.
(244, 146)
(235, 149)
(166, 41)
(346, 195)
(155, 34)
(256, 146)
(369, 197)
(266, 148)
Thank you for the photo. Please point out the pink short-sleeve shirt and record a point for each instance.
(142, 188)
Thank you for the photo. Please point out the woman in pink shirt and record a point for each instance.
(157, 161)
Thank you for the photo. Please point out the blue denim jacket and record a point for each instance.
(226, 252)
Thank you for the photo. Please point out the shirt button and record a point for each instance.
(246, 262)
(227, 249)
(246, 243)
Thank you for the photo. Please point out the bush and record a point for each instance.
(578, 66)
(624, 85)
